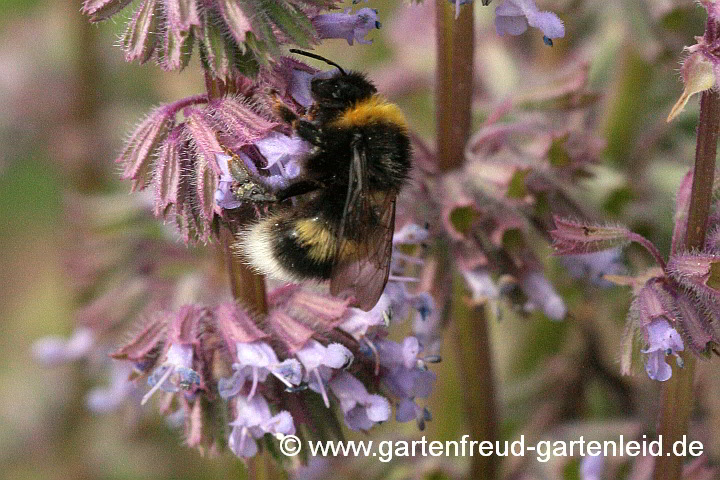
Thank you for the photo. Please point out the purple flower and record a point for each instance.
(393, 354)
(662, 340)
(406, 378)
(257, 360)
(175, 373)
(361, 409)
(359, 323)
(514, 16)
(284, 156)
(224, 197)
(55, 350)
(408, 410)
(541, 294)
(401, 301)
(318, 361)
(350, 26)
(457, 5)
(102, 400)
(591, 467)
(254, 420)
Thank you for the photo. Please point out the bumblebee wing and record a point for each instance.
(362, 260)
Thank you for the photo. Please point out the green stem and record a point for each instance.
(476, 370)
(677, 393)
(247, 286)
(454, 78)
(453, 100)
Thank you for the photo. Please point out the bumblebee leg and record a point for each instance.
(308, 132)
(282, 110)
(298, 188)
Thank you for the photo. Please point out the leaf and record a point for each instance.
(682, 203)
(145, 341)
(206, 184)
(216, 54)
(236, 18)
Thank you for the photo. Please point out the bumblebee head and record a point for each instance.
(341, 90)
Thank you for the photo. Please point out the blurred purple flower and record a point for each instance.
(361, 409)
(405, 376)
(350, 26)
(457, 4)
(514, 16)
(252, 421)
(594, 266)
(103, 400)
(55, 350)
(542, 295)
(481, 285)
(592, 467)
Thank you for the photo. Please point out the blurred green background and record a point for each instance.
(68, 100)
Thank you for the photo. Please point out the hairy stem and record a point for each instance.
(677, 393)
(649, 246)
(454, 82)
(175, 107)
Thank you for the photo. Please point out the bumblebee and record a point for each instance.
(340, 225)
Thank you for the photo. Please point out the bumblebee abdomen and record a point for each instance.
(291, 248)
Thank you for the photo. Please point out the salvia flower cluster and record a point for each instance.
(233, 36)
(186, 162)
(675, 304)
(312, 352)
(282, 372)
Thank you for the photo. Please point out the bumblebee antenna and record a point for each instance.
(318, 57)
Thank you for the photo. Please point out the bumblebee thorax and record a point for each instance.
(373, 110)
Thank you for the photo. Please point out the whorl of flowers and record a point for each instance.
(233, 36)
(675, 306)
(280, 372)
(310, 352)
